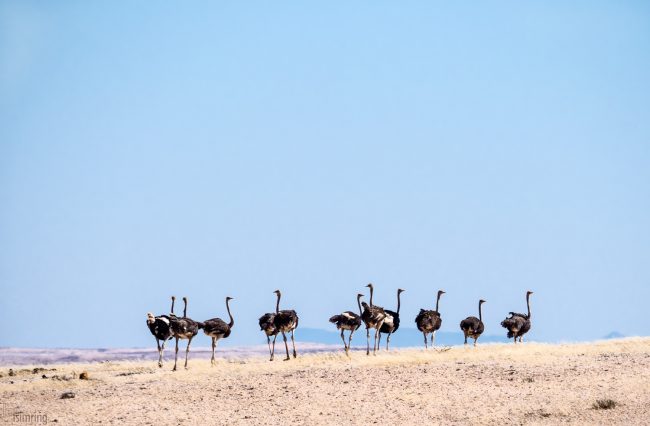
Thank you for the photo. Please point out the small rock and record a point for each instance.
(84, 376)
(11, 372)
(67, 395)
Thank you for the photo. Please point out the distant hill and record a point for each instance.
(405, 337)
(614, 335)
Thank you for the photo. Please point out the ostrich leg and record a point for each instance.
(350, 341)
(388, 340)
(187, 350)
(378, 335)
(345, 346)
(376, 347)
(433, 338)
(379, 342)
(214, 345)
(293, 343)
(465, 337)
(273, 350)
(425, 340)
(159, 353)
(268, 342)
(162, 351)
(368, 340)
(176, 355)
(284, 336)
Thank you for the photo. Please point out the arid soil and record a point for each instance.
(492, 384)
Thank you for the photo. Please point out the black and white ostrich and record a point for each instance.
(160, 327)
(373, 317)
(184, 328)
(473, 327)
(284, 321)
(518, 324)
(429, 321)
(218, 329)
(350, 321)
(391, 323)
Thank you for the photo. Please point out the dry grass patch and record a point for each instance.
(604, 404)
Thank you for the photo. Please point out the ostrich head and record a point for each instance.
(370, 286)
(229, 298)
(441, 292)
(359, 295)
(528, 293)
(150, 318)
(400, 290)
(481, 301)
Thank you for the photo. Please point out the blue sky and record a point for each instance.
(223, 148)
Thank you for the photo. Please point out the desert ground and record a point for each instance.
(533, 383)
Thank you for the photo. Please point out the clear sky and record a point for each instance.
(232, 148)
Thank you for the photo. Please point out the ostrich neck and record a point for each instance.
(371, 296)
(528, 304)
(173, 300)
(437, 302)
(359, 303)
(232, 320)
(398, 302)
(277, 305)
(480, 314)
(185, 310)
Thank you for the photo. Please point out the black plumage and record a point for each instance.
(160, 328)
(473, 327)
(184, 328)
(373, 317)
(430, 321)
(350, 321)
(518, 324)
(285, 320)
(391, 322)
(217, 328)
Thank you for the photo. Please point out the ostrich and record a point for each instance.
(473, 327)
(518, 324)
(348, 321)
(218, 329)
(429, 321)
(161, 330)
(184, 328)
(284, 321)
(391, 323)
(268, 327)
(373, 317)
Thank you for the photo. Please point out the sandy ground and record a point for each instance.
(492, 384)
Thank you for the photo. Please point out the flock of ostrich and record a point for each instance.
(383, 321)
